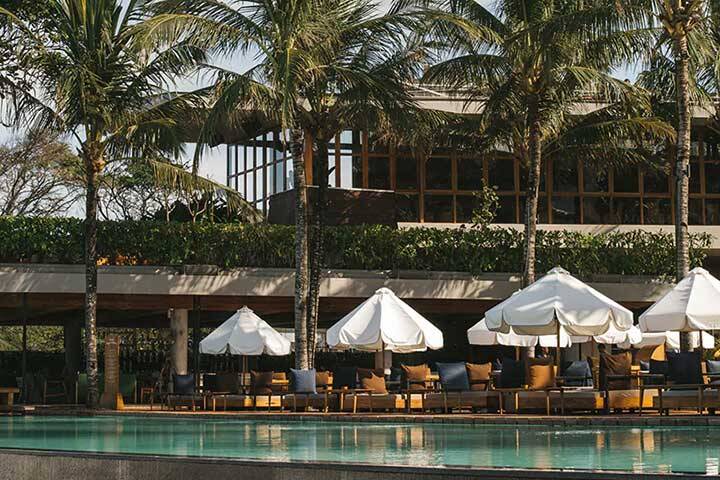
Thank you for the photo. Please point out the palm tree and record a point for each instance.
(684, 38)
(528, 63)
(100, 79)
(320, 66)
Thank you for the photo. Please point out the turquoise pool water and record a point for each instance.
(660, 449)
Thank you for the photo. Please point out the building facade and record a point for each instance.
(440, 188)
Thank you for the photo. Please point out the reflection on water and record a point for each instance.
(666, 449)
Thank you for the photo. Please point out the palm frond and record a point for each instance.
(178, 179)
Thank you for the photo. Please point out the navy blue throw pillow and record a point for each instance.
(713, 368)
(303, 381)
(453, 376)
(344, 377)
(578, 374)
(684, 368)
(184, 384)
(644, 366)
(512, 374)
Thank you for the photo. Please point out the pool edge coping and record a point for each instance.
(439, 471)
(468, 419)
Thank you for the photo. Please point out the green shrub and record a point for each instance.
(368, 247)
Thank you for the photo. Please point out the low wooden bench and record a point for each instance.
(7, 395)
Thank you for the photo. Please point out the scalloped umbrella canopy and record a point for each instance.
(384, 321)
(692, 305)
(245, 334)
(671, 339)
(612, 336)
(479, 334)
(559, 301)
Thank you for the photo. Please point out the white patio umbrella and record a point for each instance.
(245, 334)
(479, 334)
(692, 305)
(639, 339)
(613, 336)
(559, 302)
(384, 323)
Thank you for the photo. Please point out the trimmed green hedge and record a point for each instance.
(372, 247)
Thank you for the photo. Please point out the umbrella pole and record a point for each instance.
(557, 345)
(702, 347)
(517, 354)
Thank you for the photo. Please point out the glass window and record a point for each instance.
(694, 177)
(595, 179)
(250, 195)
(280, 181)
(655, 181)
(259, 186)
(465, 205)
(524, 178)
(657, 211)
(596, 210)
(232, 156)
(407, 207)
(566, 210)
(270, 179)
(470, 173)
(712, 177)
(565, 175)
(439, 208)
(506, 209)
(377, 147)
(407, 173)
(626, 180)
(346, 171)
(695, 211)
(501, 174)
(712, 211)
(357, 173)
(542, 211)
(627, 210)
(712, 151)
(351, 142)
(438, 173)
(290, 175)
(331, 170)
(379, 173)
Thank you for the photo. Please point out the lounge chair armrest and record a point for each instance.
(651, 376)
(681, 386)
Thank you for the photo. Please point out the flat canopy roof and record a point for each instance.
(141, 296)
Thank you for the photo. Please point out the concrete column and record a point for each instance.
(72, 336)
(179, 331)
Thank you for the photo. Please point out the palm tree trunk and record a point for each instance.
(682, 166)
(320, 157)
(531, 199)
(91, 205)
(301, 251)
(533, 193)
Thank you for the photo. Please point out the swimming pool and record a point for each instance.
(650, 449)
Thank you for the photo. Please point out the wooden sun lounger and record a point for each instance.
(322, 400)
(363, 399)
(473, 399)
